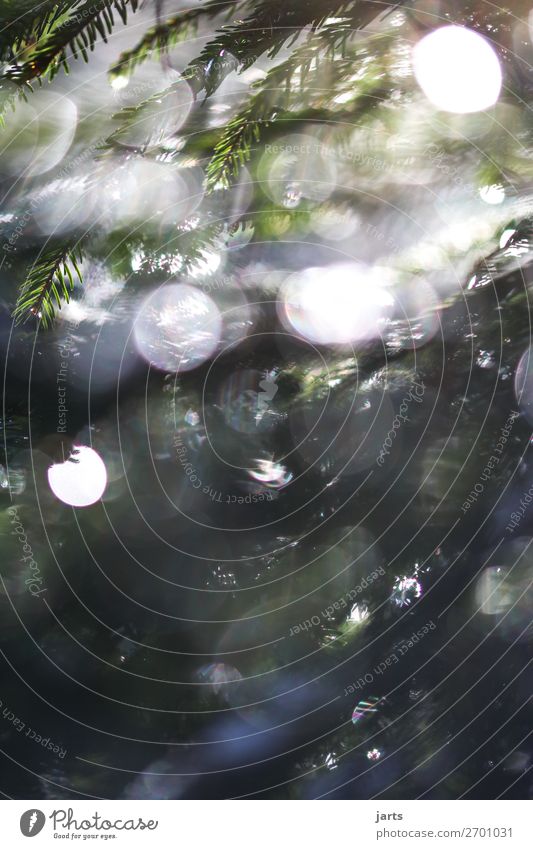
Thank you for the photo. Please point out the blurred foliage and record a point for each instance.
(335, 65)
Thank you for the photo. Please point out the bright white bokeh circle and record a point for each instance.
(178, 328)
(80, 481)
(341, 304)
(493, 194)
(457, 69)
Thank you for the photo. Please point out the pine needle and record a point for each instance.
(48, 285)
(76, 35)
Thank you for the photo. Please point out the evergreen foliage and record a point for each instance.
(49, 284)
(325, 68)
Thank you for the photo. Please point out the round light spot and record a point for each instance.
(150, 193)
(457, 69)
(338, 305)
(492, 194)
(161, 101)
(298, 167)
(120, 82)
(178, 328)
(81, 480)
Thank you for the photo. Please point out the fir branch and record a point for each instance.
(9, 97)
(234, 148)
(159, 39)
(277, 94)
(272, 97)
(185, 249)
(24, 22)
(193, 244)
(130, 116)
(78, 35)
(329, 41)
(48, 284)
(273, 24)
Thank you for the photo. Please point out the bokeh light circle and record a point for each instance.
(341, 304)
(81, 480)
(457, 69)
(178, 328)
